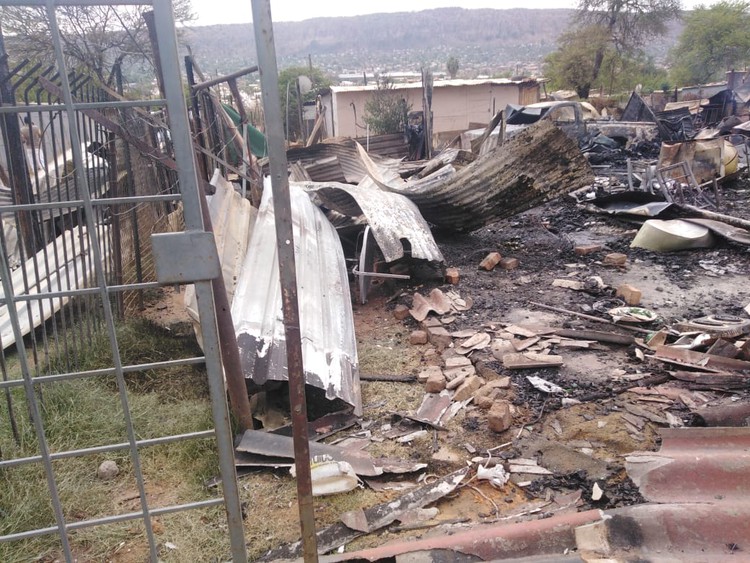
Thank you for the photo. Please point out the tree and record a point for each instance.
(714, 40)
(386, 111)
(452, 66)
(617, 28)
(94, 38)
(572, 66)
(290, 104)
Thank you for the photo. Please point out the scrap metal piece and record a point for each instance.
(326, 320)
(374, 518)
(695, 465)
(391, 216)
(537, 165)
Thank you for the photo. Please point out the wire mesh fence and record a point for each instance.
(88, 177)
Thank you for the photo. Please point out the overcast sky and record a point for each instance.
(239, 11)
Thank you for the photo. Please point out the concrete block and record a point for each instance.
(585, 249)
(425, 374)
(485, 402)
(468, 388)
(452, 276)
(439, 337)
(401, 312)
(418, 337)
(490, 261)
(509, 263)
(435, 383)
(631, 295)
(615, 259)
(499, 418)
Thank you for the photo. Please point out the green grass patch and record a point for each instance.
(88, 412)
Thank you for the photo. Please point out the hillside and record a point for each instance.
(485, 41)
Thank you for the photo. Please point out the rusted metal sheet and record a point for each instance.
(392, 217)
(548, 536)
(334, 162)
(695, 465)
(326, 320)
(537, 165)
(688, 533)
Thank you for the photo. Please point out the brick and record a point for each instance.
(452, 276)
(457, 361)
(615, 259)
(456, 382)
(468, 388)
(509, 263)
(418, 337)
(425, 374)
(453, 373)
(489, 388)
(631, 295)
(585, 249)
(439, 337)
(499, 418)
(401, 312)
(435, 383)
(485, 402)
(490, 261)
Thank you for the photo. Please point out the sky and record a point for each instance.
(211, 12)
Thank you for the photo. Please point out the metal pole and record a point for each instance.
(287, 268)
(202, 164)
(184, 156)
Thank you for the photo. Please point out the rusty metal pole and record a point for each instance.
(264, 42)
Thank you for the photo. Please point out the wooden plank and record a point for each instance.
(699, 359)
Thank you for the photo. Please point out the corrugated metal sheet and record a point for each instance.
(326, 321)
(537, 165)
(695, 465)
(701, 474)
(391, 216)
(232, 218)
(334, 162)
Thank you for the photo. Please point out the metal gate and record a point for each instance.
(62, 281)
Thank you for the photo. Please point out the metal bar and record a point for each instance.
(264, 41)
(198, 360)
(114, 519)
(101, 281)
(225, 78)
(108, 448)
(76, 203)
(183, 150)
(9, 109)
(197, 122)
(84, 291)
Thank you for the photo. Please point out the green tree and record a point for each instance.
(715, 39)
(93, 37)
(386, 111)
(320, 83)
(452, 66)
(609, 29)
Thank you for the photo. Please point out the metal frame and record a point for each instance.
(190, 196)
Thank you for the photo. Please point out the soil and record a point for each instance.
(581, 443)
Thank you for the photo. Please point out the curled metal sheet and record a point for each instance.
(329, 350)
(539, 164)
(392, 217)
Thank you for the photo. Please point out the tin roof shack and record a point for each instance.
(457, 105)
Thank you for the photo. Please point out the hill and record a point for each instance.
(489, 42)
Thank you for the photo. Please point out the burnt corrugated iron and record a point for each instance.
(695, 465)
(326, 321)
(538, 164)
(392, 217)
(334, 162)
(701, 475)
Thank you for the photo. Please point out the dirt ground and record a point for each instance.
(580, 436)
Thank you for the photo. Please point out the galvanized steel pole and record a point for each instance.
(287, 268)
